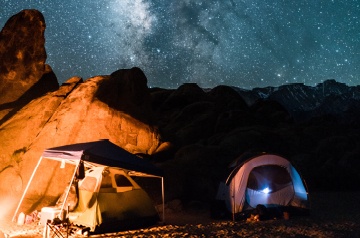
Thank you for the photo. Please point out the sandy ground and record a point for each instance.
(333, 214)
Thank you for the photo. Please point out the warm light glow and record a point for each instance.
(266, 190)
(6, 206)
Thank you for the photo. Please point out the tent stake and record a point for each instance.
(27, 187)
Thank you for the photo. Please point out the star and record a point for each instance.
(235, 43)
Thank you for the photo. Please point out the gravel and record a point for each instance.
(333, 214)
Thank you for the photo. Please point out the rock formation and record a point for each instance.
(192, 132)
(23, 72)
(39, 115)
(69, 115)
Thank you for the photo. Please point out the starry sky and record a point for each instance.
(243, 43)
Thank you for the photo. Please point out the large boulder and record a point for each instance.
(186, 94)
(271, 113)
(22, 54)
(126, 90)
(19, 132)
(69, 115)
(36, 114)
(194, 122)
(226, 98)
(23, 72)
(195, 171)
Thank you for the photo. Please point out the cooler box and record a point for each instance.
(48, 213)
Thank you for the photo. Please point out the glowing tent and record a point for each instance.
(265, 179)
(106, 192)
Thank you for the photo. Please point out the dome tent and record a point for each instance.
(264, 179)
(118, 200)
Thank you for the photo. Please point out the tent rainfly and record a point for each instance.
(97, 154)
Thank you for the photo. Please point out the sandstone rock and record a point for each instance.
(45, 84)
(244, 139)
(164, 152)
(21, 130)
(126, 90)
(227, 98)
(69, 123)
(71, 114)
(18, 133)
(186, 94)
(229, 120)
(195, 171)
(82, 117)
(271, 112)
(159, 96)
(192, 123)
(11, 176)
(23, 72)
(22, 54)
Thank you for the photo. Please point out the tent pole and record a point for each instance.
(27, 187)
(71, 182)
(163, 199)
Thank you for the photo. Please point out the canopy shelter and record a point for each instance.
(102, 152)
(95, 154)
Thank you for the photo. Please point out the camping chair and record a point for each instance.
(57, 227)
(60, 226)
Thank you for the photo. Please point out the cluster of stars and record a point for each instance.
(239, 43)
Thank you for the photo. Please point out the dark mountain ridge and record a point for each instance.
(304, 102)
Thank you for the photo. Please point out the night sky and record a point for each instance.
(240, 43)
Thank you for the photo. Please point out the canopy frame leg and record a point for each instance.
(26, 189)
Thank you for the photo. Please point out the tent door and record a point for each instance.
(269, 184)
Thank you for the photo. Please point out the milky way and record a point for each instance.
(245, 43)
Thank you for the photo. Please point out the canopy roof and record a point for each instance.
(102, 152)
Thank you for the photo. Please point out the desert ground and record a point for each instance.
(333, 214)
